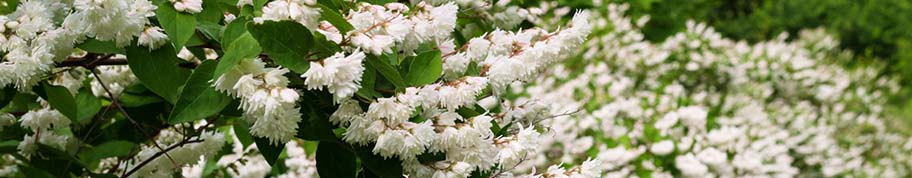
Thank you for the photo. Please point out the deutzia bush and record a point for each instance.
(700, 105)
(282, 88)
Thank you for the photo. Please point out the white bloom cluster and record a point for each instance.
(116, 79)
(301, 11)
(243, 162)
(377, 29)
(42, 122)
(299, 163)
(341, 75)
(267, 101)
(164, 166)
(699, 105)
(41, 32)
(427, 120)
(31, 42)
(113, 20)
(188, 6)
(506, 57)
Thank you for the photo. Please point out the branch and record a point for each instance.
(159, 154)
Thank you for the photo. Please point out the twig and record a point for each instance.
(159, 154)
(114, 101)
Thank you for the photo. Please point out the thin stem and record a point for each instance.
(114, 101)
(159, 154)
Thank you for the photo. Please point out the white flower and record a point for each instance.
(376, 44)
(690, 166)
(712, 156)
(387, 108)
(301, 11)
(266, 100)
(348, 110)
(188, 6)
(44, 119)
(693, 116)
(152, 37)
(341, 75)
(663, 147)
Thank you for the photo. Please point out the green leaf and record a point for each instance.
(211, 30)
(385, 168)
(136, 100)
(6, 96)
(34, 172)
(233, 30)
(113, 148)
(158, 70)
(87, 104)
(287, 43)
(425, 69)
(270, 152)
(199, 99)
(243, 47)
(179, 26)
(242, 131)
(334, 160)
(60, 99)
(333, 17)
(9, 146)
(94, 46)
(211, 12)
(368, 79)
(315, 125)
(386, 70)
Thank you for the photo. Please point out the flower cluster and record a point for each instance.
(341, 75)
(266, 100)
(42, 122)
(377, 29)
(506, 57)
(431, 119)
(700, 105)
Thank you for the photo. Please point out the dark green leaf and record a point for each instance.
(212, 30)
(34, 172)
(158, 70)
(425, 68)
(286, 42)
(199, 99)
(270, 152)
(88, 105)
(386, 70)
(242, 131)
(368, 79)
(9, 146)
(6, 96)
(113, 148)
(94, 46)
(385, 168)
(136, 100)
(334, 160)
(243, 47)
(60, 99)
(315, 125)
(211, 12)
(333, 17)
(233, 30)
(179, 26)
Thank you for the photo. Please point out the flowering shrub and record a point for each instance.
(285, 88)
(333, 88)
(699, 105)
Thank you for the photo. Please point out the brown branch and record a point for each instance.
(114, 101)
(158, 154)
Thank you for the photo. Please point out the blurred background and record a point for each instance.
(878, 30)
